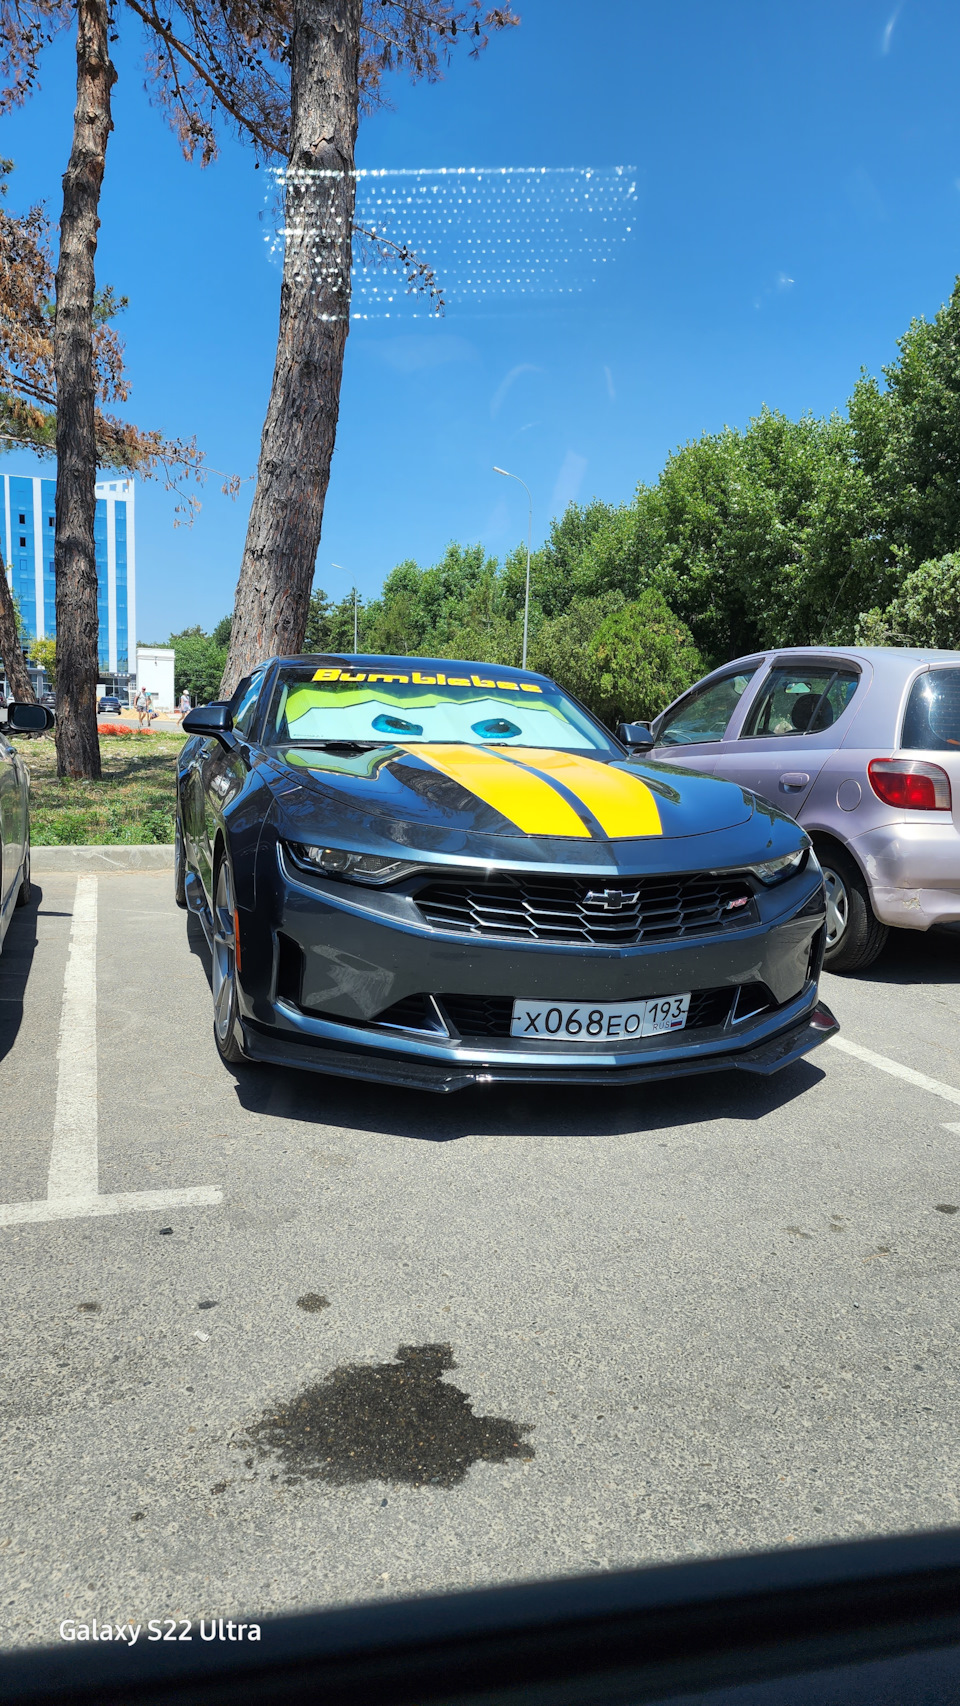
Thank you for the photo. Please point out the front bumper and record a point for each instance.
(463, 1068)
(361, 953)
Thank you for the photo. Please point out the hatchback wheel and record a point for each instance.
(225, 1023)
(854, 936)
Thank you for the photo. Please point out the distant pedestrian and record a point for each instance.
(142, 706)
(184, 706)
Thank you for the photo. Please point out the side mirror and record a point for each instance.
(209, 720)
(636, 735)
(29, 719)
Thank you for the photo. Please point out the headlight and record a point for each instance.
(776, 870)
(357, 867)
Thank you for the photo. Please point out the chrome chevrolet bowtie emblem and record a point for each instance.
(612, 900)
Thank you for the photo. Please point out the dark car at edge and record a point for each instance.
(433, 874)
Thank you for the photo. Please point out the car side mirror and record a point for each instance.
(29, 719)
(636, 735)
(209, 720)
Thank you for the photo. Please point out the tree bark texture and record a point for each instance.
(11, 651)
(75, 563)
(283, 533)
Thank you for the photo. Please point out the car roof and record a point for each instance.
(872, 654)
(387, 661)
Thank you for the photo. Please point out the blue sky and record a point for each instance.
(798, 179)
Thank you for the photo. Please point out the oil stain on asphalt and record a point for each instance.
(390, 1421)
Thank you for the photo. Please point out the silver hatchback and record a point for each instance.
(862, 747)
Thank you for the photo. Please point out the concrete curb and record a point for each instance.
(74, 861)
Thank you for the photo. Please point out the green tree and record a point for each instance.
(561, 648)
(639, 659)
(761, 537)
(197, 664)
(906, 438)
(925, 612)
(317, 634)
(44, 654)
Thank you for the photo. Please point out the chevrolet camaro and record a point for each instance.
(437, 874)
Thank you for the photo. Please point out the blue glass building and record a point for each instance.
(26, 542)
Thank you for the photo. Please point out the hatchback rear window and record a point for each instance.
(932, 720)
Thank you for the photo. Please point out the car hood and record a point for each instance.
(429, 795)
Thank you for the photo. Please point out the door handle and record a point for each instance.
(794, 779)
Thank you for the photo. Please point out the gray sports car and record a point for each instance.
(437, 873)
(862, 747)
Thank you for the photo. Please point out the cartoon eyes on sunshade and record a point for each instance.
(385, 725)
(493, 728)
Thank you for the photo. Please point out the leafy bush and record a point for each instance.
(639, 659)
(926, 611)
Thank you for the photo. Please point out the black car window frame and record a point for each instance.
(750, 670)
(914, 715)
(246, 700)
(835, 671)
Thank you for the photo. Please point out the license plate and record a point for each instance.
(599, 1021)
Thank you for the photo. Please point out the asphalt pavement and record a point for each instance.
(300, 1342)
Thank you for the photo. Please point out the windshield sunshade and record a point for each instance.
(330, 704)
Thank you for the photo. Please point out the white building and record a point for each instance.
(155, 673)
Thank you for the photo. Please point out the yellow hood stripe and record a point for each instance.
(527, 800)
(623, 805)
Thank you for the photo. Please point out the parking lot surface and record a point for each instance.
(275, 1341)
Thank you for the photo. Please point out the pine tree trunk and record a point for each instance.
(11, 651)
(276, 575)
(78, 747)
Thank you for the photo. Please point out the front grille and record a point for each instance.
(479, 1015)
(413, 1013)
(581, 910)
(489, 1015)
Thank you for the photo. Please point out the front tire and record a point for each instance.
(179, 864)
(225, 1001)
(854, 936)
(24, 892)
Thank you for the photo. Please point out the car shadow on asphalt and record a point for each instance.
(916, 956)
(15, 965)
(504, 1110)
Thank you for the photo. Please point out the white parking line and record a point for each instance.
(126, 1202)
(73, 1180)
(73, 1162)
(907, 1073)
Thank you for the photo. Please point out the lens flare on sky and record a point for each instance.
(486, 234)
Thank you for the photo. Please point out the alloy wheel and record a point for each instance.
(838, 906)
(224, 958)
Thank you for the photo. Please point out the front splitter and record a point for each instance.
(770, 1056)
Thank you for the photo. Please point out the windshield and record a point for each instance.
(411, 707)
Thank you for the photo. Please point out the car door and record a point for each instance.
(13, 814)
(691, 731)
(221, 772)
(796, 720)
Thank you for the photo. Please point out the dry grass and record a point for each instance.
(133, 803)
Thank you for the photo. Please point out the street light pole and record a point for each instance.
(343, 571)
(526, 602)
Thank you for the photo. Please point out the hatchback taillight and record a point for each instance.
(910, 783)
